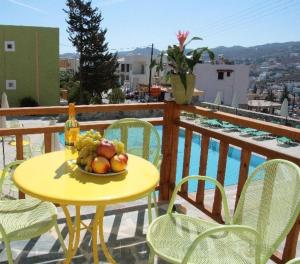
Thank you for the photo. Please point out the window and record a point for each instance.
(228, 74)
(122, 67)
(9, 46)
(11, 84)
(127, 78)
(220, 75)
(142, 69)
(127, 67)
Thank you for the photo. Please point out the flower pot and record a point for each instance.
(183, 95)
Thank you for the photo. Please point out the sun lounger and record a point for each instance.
(247, 131)
(214, 123)
(286, 141)
(262, 135)
(229, 127)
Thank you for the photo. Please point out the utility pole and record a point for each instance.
(294, 99)
(150, 73)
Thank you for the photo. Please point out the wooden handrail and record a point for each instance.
(99, 125)
(55, 110)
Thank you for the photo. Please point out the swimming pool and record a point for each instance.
(232, 166)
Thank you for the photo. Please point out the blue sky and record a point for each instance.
(138, 23)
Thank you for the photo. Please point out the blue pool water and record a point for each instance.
(232, 166)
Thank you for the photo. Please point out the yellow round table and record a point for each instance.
(50, 178)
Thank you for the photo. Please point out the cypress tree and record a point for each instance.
(97, 65)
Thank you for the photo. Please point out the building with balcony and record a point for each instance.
(29, 64)
(229, 80)
(134, 70)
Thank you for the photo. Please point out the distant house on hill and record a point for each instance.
(29, 64)
(69, 64)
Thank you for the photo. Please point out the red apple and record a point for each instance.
(100, 165)
(125, 156)
(106, 149)
(119, 162)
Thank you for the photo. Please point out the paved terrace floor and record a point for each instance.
(125, 224)
(125, 234)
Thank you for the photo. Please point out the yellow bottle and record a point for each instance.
(72, 131)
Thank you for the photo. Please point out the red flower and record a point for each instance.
(182, 36)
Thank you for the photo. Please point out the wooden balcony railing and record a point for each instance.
(171, 125)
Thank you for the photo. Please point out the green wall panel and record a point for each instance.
(33, 64)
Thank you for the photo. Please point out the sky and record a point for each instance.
(138, 23)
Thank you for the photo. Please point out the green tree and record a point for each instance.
(116, 96)
(285, 94)
(97, 65)
(270, 96)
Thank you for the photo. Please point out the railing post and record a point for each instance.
(169, 150)
(202, 169)
(19, 148)
(217, 205)
(290, 247)
(47, 141)
(186, 159)
(244, 168)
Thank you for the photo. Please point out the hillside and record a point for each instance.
(259, 52)
(236, 53)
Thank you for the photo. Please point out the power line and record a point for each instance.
(239, 14)
(257, 14)
(256, 17)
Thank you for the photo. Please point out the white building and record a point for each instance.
(134, 69)
(229, 80)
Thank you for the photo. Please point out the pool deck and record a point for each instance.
(125, 224)
(273, 144)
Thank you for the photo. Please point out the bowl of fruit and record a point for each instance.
(98, 156)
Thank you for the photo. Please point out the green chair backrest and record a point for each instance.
(139, 137)
(270, 203)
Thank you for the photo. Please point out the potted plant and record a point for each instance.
(182, 64)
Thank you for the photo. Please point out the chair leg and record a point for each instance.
(149, 209)
(155, 203)
(61, 240)
(151, 257)
(8, 252)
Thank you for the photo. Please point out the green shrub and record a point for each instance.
(116, 96)
(28, 101)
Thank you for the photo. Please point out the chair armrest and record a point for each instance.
(6, 169)
(202, 178)
(225, 228)
(3, 234)
(294, 261)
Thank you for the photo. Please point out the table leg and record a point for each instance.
(3, 152)
(101, 210)
(74, 232)
(94, 236)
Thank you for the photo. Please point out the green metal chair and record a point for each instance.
(268, 207)
(294, 261)
(140, 138)
(25, 218)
